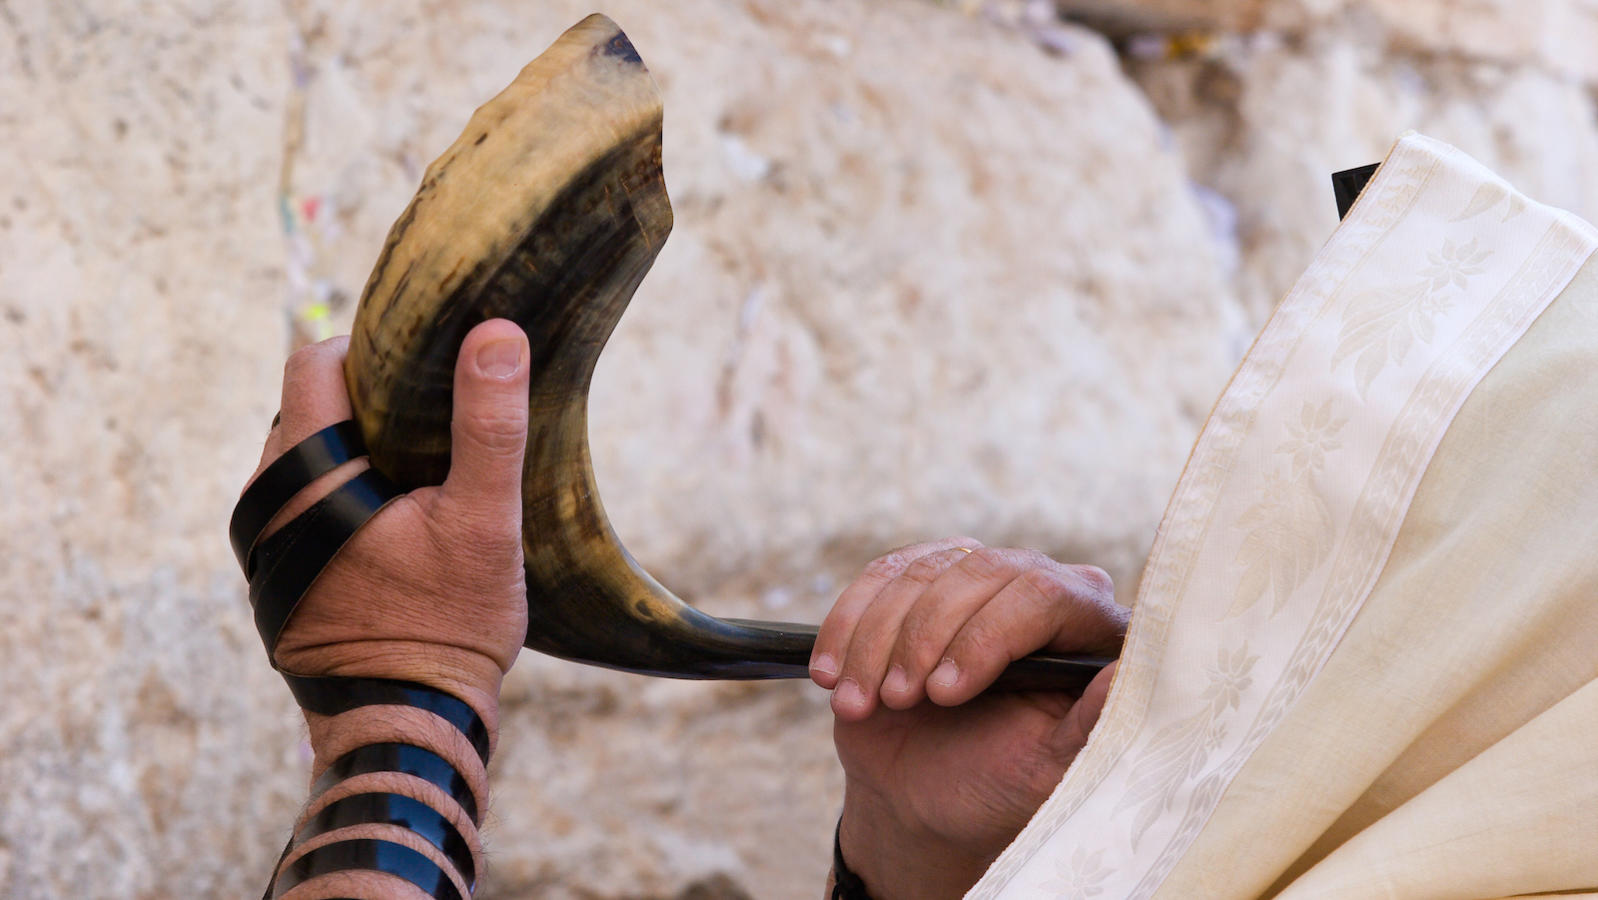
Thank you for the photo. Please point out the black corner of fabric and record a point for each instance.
(371, 856)
(846, 885)
(330, 696)
(1347, 184)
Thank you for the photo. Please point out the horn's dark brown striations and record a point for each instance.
(549, 210)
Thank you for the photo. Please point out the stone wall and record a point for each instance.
(1266, 98)
(938, 267)
(1550, 34)
(927, 277)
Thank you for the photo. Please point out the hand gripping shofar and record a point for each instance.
(548, 211)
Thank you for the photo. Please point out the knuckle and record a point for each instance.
(299, 362)
(337, 345)
(979, 642)
(1037, 559)
(884, 568)
(495, 534)
(312, 356)
(920, 643)
(923, 571)
(503, 430)
(1042, 588)
(986, 562)
(1095, 579)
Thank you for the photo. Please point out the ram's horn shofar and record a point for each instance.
(548, 211)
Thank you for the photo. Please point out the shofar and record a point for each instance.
(548, 211)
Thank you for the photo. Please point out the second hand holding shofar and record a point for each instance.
(548, 211)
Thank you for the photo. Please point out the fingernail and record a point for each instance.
(946, 674)
(824, 664)
(500, 359)
(897, 682)
(849, 694)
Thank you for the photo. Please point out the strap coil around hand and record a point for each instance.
(281, 568)
(329, 696)
(309, 460)
(288, 562)
(378, 808)
(371, 855)
(407, 759)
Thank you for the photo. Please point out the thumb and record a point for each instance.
(1071, 735)
(488, 430)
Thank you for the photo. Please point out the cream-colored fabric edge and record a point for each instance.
(1291, 554)
(1489, 584)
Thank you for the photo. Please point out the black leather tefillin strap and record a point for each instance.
(309, 460)
(280, 569)
(846, 885)
(374, 856)
(394, 809)
(331, 696)
(407, 759)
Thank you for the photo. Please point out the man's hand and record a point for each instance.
(431, 589)
(940, 777)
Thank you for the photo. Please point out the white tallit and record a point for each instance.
(1362, 662)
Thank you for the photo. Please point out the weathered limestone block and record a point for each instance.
(924, 279)
(144, 750)
(824, 276)
(1558, 35)
(1266, 123)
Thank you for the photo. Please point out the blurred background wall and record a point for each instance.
(938, 267)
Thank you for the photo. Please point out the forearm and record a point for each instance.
(342, 801)
(392, 617)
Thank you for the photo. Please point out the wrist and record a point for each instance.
(464, 674)
(331, 737)
(899, 858)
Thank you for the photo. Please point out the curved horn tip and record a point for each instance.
(609, 38)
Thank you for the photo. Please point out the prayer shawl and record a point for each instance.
(1362, 659)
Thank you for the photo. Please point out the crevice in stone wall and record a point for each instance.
(1266, 100)
(314, 299)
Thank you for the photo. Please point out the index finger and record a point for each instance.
(314, 397)
(1062, 608)
(839, 625)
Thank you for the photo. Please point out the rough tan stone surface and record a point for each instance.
(1557, 35)
(926, 278)
(1263, 120)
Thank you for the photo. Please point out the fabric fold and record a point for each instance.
(1370, 602)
